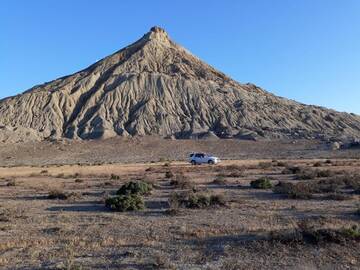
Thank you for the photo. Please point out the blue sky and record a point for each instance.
(307, 50)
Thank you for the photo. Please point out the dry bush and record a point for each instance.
(261, 183)
(160, 261)
(318, 164)
(11, 183)
(61, 195)
(291, 170)
(181, 181)
(280, 164)
(264, 165)
(328, 161)
(294, 191)
(308, 173)
(324, 173)
(114, 177)
(5, 215)
(332, 187)
(171, 212)
(220, 180)
(169, 174)
(342, 181)
(195, 200)
(167, 164)
(79, 181)
(338, 197)
(230, 171)
(317, 236)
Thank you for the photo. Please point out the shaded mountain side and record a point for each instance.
(156, 87)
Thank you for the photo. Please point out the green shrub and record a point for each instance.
(198, 201)
(123, 203)
(352, 233)
(138, 187)
(261, 183)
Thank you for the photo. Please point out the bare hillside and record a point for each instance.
(156, 87)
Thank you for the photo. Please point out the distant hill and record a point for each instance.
(156, 87)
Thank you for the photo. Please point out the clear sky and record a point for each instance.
(307, 50)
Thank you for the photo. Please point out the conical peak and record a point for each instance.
(157, 33)
(157, 29)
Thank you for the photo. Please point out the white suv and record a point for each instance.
(201, 158)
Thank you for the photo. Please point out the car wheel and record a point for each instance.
(193, 162)
(211, 162)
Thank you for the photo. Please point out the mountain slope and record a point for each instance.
(156, 87)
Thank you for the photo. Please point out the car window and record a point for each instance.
(198, 155)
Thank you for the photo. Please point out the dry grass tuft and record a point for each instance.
(181, 181)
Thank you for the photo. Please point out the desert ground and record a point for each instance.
(151, 149)
(53, 213)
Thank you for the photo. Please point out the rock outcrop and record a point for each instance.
(156, 87)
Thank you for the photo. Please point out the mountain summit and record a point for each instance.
(156, 87)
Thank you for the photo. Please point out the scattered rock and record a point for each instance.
(335, 146)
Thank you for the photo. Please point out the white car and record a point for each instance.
(201, 158)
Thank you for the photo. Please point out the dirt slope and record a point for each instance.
(156, 87)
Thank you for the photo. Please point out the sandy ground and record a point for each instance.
(149, 149)
(81, 233)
